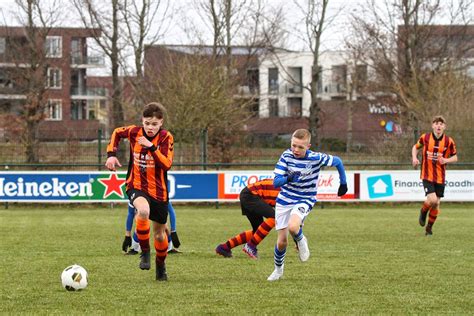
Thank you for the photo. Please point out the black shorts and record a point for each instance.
(433, 187)
(158, 209)
(252, 204)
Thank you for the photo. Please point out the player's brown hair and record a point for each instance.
(154, 109)
(438, 118)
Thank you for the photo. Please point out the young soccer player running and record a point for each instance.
(151, 156)
(438, 150)
(297, 174)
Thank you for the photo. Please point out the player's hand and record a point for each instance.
(294, 177)
(342, 189)
(127, 243)
(175, 239)
(112, 162)
(415, 162)
(442, 160)
(144, 142)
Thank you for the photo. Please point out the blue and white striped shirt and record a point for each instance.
(304, 191)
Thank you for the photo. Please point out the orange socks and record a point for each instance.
(262, 231)
(239, 239)
(432, 217)
(143, 233)
(161, 248)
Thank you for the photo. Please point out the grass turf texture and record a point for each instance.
(364, 259)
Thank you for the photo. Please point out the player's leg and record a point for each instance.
(142, 206)
(161, 246)
(434, 211)
(173, 233)
(159, 216)
(430, 200)
(225, 249)
(255, 220)
(298, 214)
(282, 217)
(127, 242)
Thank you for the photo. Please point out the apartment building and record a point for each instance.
(72, 111)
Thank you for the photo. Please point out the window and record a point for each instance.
(273, 107)
(54, 78)
(338, 78)
(294, 107)
(79, 110)
(273, 80)
(296, 78)
(252, 80)
(53, 46)
(54, 110)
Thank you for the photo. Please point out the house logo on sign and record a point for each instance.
(380, 186)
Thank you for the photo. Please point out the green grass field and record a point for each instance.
(365, 259)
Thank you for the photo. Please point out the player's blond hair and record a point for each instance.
(303, 134)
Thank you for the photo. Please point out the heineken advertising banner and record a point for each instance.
(214, 186)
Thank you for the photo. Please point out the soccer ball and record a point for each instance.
(74, 278)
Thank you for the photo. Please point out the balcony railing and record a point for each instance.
(335, 88)
(87, 60)
(98, 92)
(294, 88)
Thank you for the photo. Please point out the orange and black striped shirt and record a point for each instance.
(147, 170)
(431, 169)
(265, 190)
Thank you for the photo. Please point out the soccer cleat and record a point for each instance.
(145, 260)
(161, 272)
(429, 231)
(303, 250)
(276, 274)
(250, 250)
(223, 251)
(422, 218)
(131, 252)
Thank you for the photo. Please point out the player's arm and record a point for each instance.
(414, 155)
(451, 159)
(112, 147)
(282, 176)
(337, 162)
(164, 156)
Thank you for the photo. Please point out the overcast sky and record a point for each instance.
(176, 35)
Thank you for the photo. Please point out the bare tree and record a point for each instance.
(105, 16)
(405, 48)
(26, 52)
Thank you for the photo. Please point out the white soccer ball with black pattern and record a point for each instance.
(74, 278)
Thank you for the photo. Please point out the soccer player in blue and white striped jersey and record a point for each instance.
(297, 173)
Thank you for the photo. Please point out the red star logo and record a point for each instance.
(113, 185)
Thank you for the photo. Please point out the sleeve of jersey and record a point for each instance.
(420, 141)
(117, 135)
(164, 156)
(335, 161)
(452, 148)
(280, 172)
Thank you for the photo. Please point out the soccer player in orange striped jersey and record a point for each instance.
(438, 150)
(151, 156)
(257, 201)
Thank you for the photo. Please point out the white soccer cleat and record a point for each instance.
(276, 274)
(303, 249)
